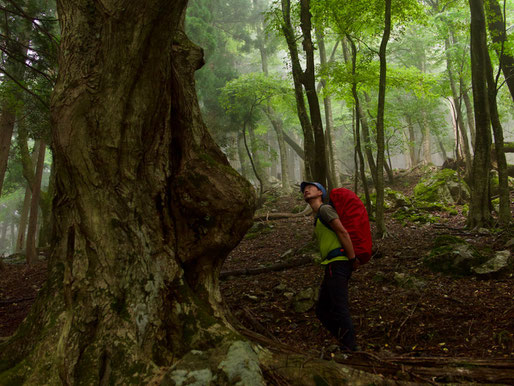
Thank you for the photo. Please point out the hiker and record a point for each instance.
(338, 257)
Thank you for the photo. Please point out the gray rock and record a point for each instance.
(495, 265)
(241, 366)
(304, 300)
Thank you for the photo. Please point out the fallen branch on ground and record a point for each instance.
(275, 267)
(276, 216)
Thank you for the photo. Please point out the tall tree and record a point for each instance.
(380, 120)
(498, 31)
(146, 207)
(479, 210)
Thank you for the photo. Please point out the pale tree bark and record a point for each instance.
(479, 210)
(412, 141)
(457, 103)
(34, 205)
(381, 230)
(469, 110)
(241, 154)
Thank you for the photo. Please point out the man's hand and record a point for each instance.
(356, 263)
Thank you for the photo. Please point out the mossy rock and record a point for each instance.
(411, 214)
(495, 183)
(453, 256)
(443, 186)
(258, 228)
(396, 199)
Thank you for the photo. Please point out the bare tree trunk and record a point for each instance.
(457, 104)
(277, 124)
(469, 111)
(309, 83)
(498, 33)
(412, 141)
(34, 205)
(503, 176)
(329, 121)
(22, 227)
(358, 147)
(308, 133)
(479, 213)
(380, 121)
(241, 153)
(7, 119)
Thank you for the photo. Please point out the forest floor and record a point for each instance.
(437, 316)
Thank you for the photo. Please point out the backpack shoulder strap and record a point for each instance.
(318, 216)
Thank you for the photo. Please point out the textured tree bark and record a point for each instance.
(358, 147)
(34, 204)
(329, 120)
(146, 207)
(479, 209)
(7, 119)
(380, 121)
(308, 133)
(504, 214)
(498, 34)
(319, 172)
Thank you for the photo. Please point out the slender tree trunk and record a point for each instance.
(308, 133)
(146, 209)
(503, 176)
(358, 147)
(367, 140)
(34, 205)
(498, 34)
(479, 213)
(3, 236)
(469, 111)
(252, 150)
(309, 83)
(441, 147)
(380, 121)
(294, 146)
(14, 66)
(241, 153)
(7, 119)
(458, 109)
(276, 122)
(329, 121)
(22, 227)
(277, 125)
(412, 141)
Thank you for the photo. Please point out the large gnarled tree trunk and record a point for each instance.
(146, 207)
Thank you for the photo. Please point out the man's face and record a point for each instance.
(310, 192)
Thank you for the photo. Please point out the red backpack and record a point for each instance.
(354, 217)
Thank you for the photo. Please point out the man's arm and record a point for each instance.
(344, 238)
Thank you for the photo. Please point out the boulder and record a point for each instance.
(498, 264)
(452, 255)
(396, 199)
(407, 281)
(304, 300)
(444, 186)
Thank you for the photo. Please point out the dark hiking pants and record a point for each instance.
(332, 308)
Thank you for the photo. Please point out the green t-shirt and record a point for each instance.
(327, 238)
